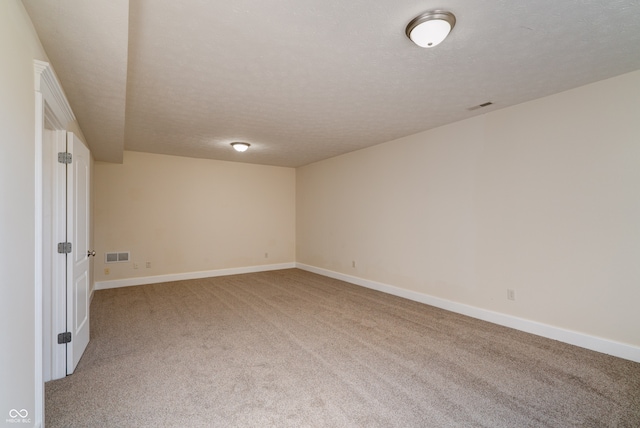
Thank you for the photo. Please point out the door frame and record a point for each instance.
(51, 105)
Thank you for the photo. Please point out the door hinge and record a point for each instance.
(64, 247)
(64, 337)
(64, 157)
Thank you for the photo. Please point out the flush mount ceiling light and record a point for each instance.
(240, 147)
(430, 28)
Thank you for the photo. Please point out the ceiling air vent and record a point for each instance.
(488, 103)
(118, 257)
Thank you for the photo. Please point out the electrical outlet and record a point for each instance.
(266, 255)
(135, 265)
(511, 294)
(148, 265)
(353, 263)
(107, 271)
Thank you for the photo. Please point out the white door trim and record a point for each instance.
(52, 104)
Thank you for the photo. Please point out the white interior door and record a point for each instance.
(54, 265)
(78, 262)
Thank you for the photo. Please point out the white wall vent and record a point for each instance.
(118, 257)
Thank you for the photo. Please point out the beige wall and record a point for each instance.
(19, 46)
(187, 215)
(542, 198)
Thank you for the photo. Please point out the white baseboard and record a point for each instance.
(610, 347)
(142, 280)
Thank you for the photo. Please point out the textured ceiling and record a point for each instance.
(86, 42)
(306, 80)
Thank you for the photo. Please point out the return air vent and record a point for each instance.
(119, 257)
(487, 104)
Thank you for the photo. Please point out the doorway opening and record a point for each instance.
(62, 284)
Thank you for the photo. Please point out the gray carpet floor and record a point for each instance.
(293, 349)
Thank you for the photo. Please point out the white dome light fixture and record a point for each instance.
(431, 28)
(240, 147)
